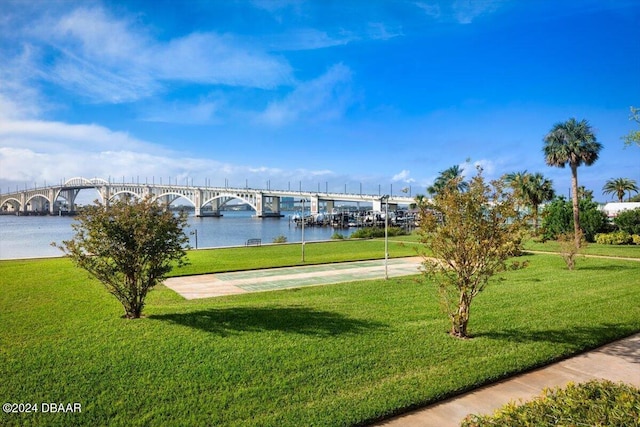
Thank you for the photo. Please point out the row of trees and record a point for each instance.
(470, 229)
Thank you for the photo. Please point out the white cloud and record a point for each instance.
(321, 99)
(212, 59)
(403, 176)
(35, 152)
(205, 111)
(114, 59)
(460, 11)
(465, 11)
(430, 9)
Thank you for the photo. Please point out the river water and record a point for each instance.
(31, 236)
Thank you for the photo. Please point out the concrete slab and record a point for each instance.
(213, 285)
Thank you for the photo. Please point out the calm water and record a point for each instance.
(31, 236)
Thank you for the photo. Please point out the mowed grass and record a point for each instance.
(622, 251)
(268, 256)
(332, 355)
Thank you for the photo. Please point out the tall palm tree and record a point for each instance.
(574, 143)
(619, 186)
(532, 189)
(447, 175)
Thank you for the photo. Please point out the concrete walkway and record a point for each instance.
(219, 284)
(618, 361)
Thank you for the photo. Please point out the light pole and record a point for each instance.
(195, 232)
(386, 235)
(303, 220)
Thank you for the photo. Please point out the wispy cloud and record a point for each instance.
(403, 176)
(321, 99)
(34, 152)
(460, 11)
(114, 59)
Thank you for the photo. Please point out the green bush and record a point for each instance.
(373, 232)
(337, 236)
(615, 238)
(628, 221)
(280, 239)
(636, 239)
(557, 218)
(594, 403)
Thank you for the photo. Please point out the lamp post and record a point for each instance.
(195, 233)
(303, 220)
(386, 235)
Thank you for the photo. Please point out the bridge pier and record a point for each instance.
(263, 201)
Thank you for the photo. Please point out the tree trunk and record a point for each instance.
(576, 205)
(461, 318)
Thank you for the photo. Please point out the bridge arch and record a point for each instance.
(227, 197)
(123, 192)
(43, 201)
(13, 202)
(176, 195)
(85, 182)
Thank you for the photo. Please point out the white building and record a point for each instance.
(614, 208)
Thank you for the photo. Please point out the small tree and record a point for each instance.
(471, 235)
(633, 137)
(129, 246)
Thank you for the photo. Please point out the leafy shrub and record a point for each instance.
(594, 403)
(615, 238)
(557, 218)
(280, 239)
(373, 232)
(628, 221)
(337, 236)
(568, 248)
(635, 239)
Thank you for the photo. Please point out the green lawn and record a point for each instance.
(623, 251)
(331, 355)
(250, 258)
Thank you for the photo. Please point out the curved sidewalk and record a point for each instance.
(618, 361)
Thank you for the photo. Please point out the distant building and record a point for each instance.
(614, 208)
(287, 203)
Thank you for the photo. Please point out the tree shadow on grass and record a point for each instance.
(609, 267)
(299, 320)
(580, 337)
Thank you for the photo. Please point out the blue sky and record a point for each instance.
(317, 94)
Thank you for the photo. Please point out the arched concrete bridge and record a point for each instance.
(55, 199)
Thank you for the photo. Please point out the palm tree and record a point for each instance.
(518, 182)
(619, 186)
(446, 176)
(418, 201)
(539, 190)
(531, 189)
(574, 143)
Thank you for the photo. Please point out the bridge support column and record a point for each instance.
(259, 204)
(197, 203)
(330, 205)
(52, 201)
(315, 205)
(275, 205)
(262, 201)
